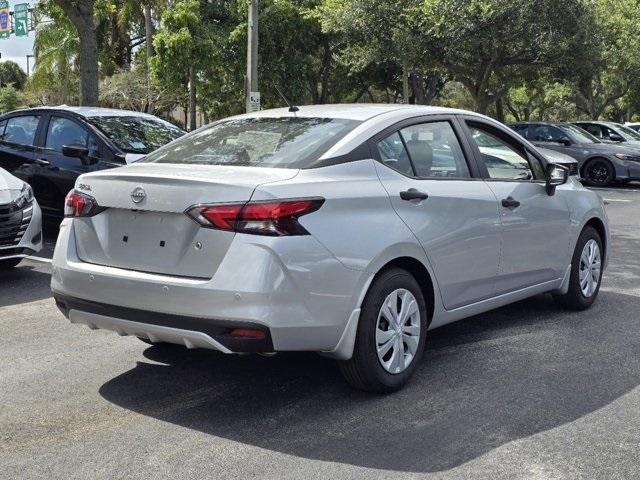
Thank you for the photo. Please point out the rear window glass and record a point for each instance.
(258, 142)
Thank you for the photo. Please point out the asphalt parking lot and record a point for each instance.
(526, 391)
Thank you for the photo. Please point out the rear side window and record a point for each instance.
(521, 130)
(548, 133)
(21, 130)
(425, 150)
(291, 142)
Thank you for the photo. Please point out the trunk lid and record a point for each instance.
(144, 226)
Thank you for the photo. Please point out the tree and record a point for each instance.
(12, 74)
(10, 98)
(81, 15)
(487, 44)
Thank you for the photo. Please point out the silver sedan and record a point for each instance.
(348, 230)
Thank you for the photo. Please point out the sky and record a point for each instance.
(16, 48)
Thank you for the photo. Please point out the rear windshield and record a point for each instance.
(137, 134)
(257, 142)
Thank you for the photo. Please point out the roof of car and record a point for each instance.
(597, 122)
(352, 111)
(533, 122)
(89, 112)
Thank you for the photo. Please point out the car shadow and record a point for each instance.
(23, 284)
(483, 382)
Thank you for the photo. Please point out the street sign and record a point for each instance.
(254, 102)
(5, 19)
(20, 19)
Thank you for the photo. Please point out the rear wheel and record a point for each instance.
(586, 272)
(391, 334)
(10, 263)
(598, 172)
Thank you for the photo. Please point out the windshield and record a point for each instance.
(579, 135)
(290, 142)
(137, 134)
(630, 133)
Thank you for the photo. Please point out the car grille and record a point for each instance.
(13, 223)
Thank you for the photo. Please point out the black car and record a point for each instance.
(50, 147)
(600, 164)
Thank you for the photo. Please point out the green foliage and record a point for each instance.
(12, 74)
(10, 98)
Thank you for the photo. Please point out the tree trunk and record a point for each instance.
(81, 15)
(88, 66)
(148, 31)
(499, 110)
(405, 83)
(192, 98)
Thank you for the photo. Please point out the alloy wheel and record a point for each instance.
(398, 331)
(590, 265)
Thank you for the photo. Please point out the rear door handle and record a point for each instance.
(42, 161)
(413, 194)
(510, 202)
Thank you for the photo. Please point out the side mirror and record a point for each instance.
(555, 175)
(564, 141)
(615, 138)
(78, 151)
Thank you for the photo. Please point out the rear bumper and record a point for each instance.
(192, 332)
(292, 288)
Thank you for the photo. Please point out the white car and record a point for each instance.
(348, 230)
(20, 221)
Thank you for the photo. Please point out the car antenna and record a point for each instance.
(292, 108)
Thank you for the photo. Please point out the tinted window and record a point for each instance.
(434, 150)
(291, 142)
(63, 131)
(629, 132)
(501, 159)
(3, 124)
(394, 155)
(548, 133)
(21, 130)
(594, 130)
(520, 130)
(137, 134)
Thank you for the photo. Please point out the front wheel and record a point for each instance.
(391, 334)
(599, 172)
(586, 272)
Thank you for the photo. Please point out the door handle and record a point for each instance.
(42, 161)
(510, 202)
(413, 194)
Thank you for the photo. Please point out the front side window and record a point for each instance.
(434, 151)
(63, 131)
(594, 130)
(287, 142)
(503, 161)
(21, 130)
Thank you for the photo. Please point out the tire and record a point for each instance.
(598, 172)
(576, 298)
(366, 369)
(10, 263)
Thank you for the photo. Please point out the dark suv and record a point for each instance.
(600, 164)
(50, 147)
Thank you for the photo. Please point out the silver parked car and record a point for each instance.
(20, 221)
(348, 230)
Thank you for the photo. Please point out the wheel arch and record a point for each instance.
(597, 157)
(417, 269)
(599, 227)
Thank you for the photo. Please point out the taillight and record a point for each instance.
(78, 204)
(274, 218)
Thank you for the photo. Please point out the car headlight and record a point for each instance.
(625, 156)
(25, 197)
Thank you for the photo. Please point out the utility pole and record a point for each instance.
(251, 87)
